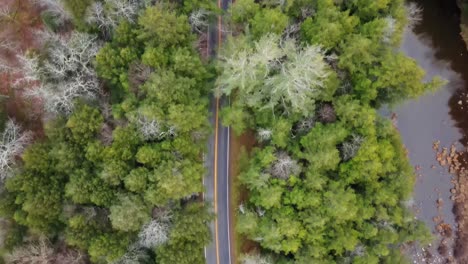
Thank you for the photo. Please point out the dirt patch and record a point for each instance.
(238, 146)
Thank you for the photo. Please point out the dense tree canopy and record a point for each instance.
(117, 180)
(329, 177)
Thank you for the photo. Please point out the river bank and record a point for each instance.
(434, 129)
(463, 6)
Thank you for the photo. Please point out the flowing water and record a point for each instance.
(436, 45)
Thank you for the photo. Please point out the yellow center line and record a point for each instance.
(216, 151)
(216, 181)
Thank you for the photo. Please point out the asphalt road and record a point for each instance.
(217, 162)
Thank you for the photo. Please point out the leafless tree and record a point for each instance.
(39, 252)
(414, 14)
(260, 211)
(138, 74)
(134, 255)
(70, 256)
(5, 66)
(5, 13)
(301, 79)
(284, 166)
(326, 113)
(29, 69)
(389, 30)
(42, 252)
(14, 140)
(305, 125)
(275, 72)
(107, 14)
(198, 19)
(255, 258)
(152, 129)
(242, 208)
(56, 8)
(67, 73)
(292, 31)
(153, 234)
(7, 44)
(359, 251)
(350, 148)
(264, 134)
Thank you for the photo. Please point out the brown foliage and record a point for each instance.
(18, 25)
(327, 113)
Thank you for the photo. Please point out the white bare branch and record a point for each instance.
(255, 259)
(264, 134)
(153, 234)
(152, 129)
(106, 15)
(56, 8)
(39, 252)
(134, 255)
(275, 72)
(389, 30)
(301, 79)
(198, 19)
(413, 14)
(14, 141)
(5, 12)
(67, 74)
(284, 166)
(350, 148)
(7, 45)
(42, 252)
(5, 66)
(305, 125)
(30, 70)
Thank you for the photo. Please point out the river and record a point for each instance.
(436, 45)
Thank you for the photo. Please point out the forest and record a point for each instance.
(115, 174)
(329, 180)
(105, 125)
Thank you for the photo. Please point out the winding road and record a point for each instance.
(216, 181)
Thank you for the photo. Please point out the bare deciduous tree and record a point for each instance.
(264, 134)
(56, 8)
(152, 129)
(42, 252)
(198, 19)
(326, 113)
(5, 13)
(413, 14)
(39, 252)
(284, 166)
(255, 259)
(134, 255)
(7, 44)
(305, 125)
(67, 73)
(138, 74)
(153, 234)
(107, 14)
(14, 140)
(29, 69)
(390, 28)
(350, 148)
(302, 78)
(274, 73)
